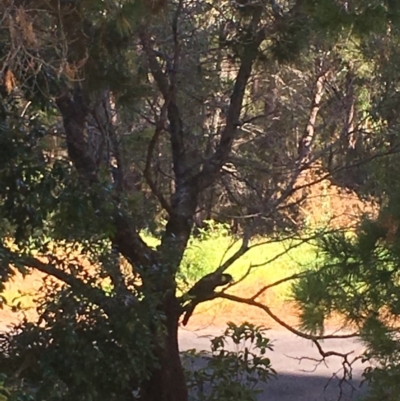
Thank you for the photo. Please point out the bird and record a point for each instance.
(202, 291)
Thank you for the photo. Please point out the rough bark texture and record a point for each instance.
(168, 383)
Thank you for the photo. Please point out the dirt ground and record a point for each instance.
(210, 314)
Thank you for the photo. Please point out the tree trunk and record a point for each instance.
(167, 383)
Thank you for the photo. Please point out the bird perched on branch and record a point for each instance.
(203, 290)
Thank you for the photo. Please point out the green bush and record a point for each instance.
(76, 352)
(222, 375)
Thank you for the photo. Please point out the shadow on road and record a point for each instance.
(299, 378)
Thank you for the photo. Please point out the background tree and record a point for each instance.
(117, 115)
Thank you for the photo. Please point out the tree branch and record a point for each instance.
(95, 295)
(213, 165)
(126, 239)
(130, 244)
(168, 90)
(267, 310)
(308, 137)
(238, 254)
(150, 150)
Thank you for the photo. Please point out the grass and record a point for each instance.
(272, 261)
(267, 261)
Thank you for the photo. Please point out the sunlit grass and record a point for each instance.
(266, 262)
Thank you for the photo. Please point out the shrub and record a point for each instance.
(222, 375)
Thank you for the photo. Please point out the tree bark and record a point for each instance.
(167, 382)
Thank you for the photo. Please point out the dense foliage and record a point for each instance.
(119, 118)
(230, 375)
(358, 278)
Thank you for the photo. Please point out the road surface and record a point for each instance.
(297, 380)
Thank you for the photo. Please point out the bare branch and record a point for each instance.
(278, 282)
(126, 239)
(155, 68)
(267, 310)
(175, 35)
(168, 92)
(214, 164)
(150, 151)
(308, 136)
(238, 254)
(95, 295)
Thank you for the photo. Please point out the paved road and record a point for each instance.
(297, 381)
